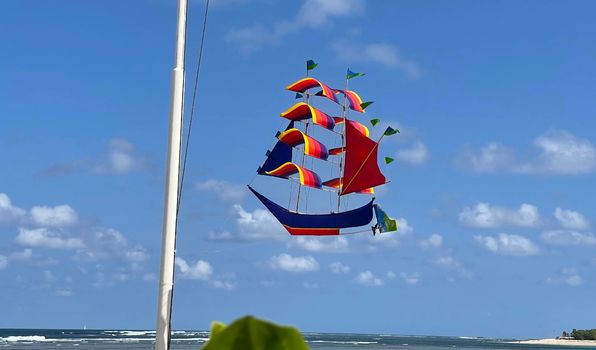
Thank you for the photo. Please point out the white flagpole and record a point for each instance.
(166, 278)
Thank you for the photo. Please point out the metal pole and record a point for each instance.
(166, 278)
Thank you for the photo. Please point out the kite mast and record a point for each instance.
(166, 278)
(307, 95)
(343, 145)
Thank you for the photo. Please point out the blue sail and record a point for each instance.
(317, 224)
(279, 155)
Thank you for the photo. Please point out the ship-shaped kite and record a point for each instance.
(354, 161)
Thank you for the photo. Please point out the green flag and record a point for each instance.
(363, 105)
(310, 65)
(389, 160)
(390, 131)
(375, 121)
(350, 74)
(298, 95)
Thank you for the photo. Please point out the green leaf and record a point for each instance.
(390, 131)
(250, 333)
(389, 160)
(366, 104)
(216, 328)
(375, 121)
(310, 65)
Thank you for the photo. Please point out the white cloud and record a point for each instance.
(8, 212)
(368, 279)
(225, 191)
(571, 219)
(58, 216)
(25, 255)
(44, 238)
(483, 215)
(121, 158)
(507, 244)
(312, 15)
(3, 262)
(558, 152)
(567, 237)
(310, 285)
(385, 54)
(289, 263)
(391, 275)
(200, 270)
(110, 244)
(567, 276)
(339, 268)
(411, 279)
(220, 236)
(434, 241)
(225, 284)
(415, 155)
(449, 262)
(321, 244)
(259, 224)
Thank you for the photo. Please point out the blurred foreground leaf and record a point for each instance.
(249, 333)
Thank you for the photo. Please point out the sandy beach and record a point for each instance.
(563, 342)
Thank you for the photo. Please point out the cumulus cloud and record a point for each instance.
(339, 268)
(483, 215)
(8, 212)
(58, 216)
(24, 255)
(415, 155)
(368, 279)
(3, 262)
(259, 224)
(220, 236)
(225, 191)
(44, 238)
(225, 284)
(411, 279)
(121, 158)
(567, 276)
(321, 244)
(507, 244)
(451, 263)
(109, 244)
(557, 152)
(568, 237)
(571, 219)
(289, 263)
(384, 54)
(434, 241)
(313, 14)
(200, 270)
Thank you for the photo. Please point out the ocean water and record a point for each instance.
(37, 339)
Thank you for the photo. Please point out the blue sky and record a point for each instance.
(493, 182)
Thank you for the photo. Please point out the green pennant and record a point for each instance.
(375, 121)
(298, 95)
(350, 74)
(310, 65)
(363, 105)
(390, 131)
(389, 160)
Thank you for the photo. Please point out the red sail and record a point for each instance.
(361, 170)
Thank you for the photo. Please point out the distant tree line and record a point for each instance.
(580, 334)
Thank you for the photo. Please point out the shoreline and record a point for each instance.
(553, 341)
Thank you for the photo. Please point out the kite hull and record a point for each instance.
(317, 224)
